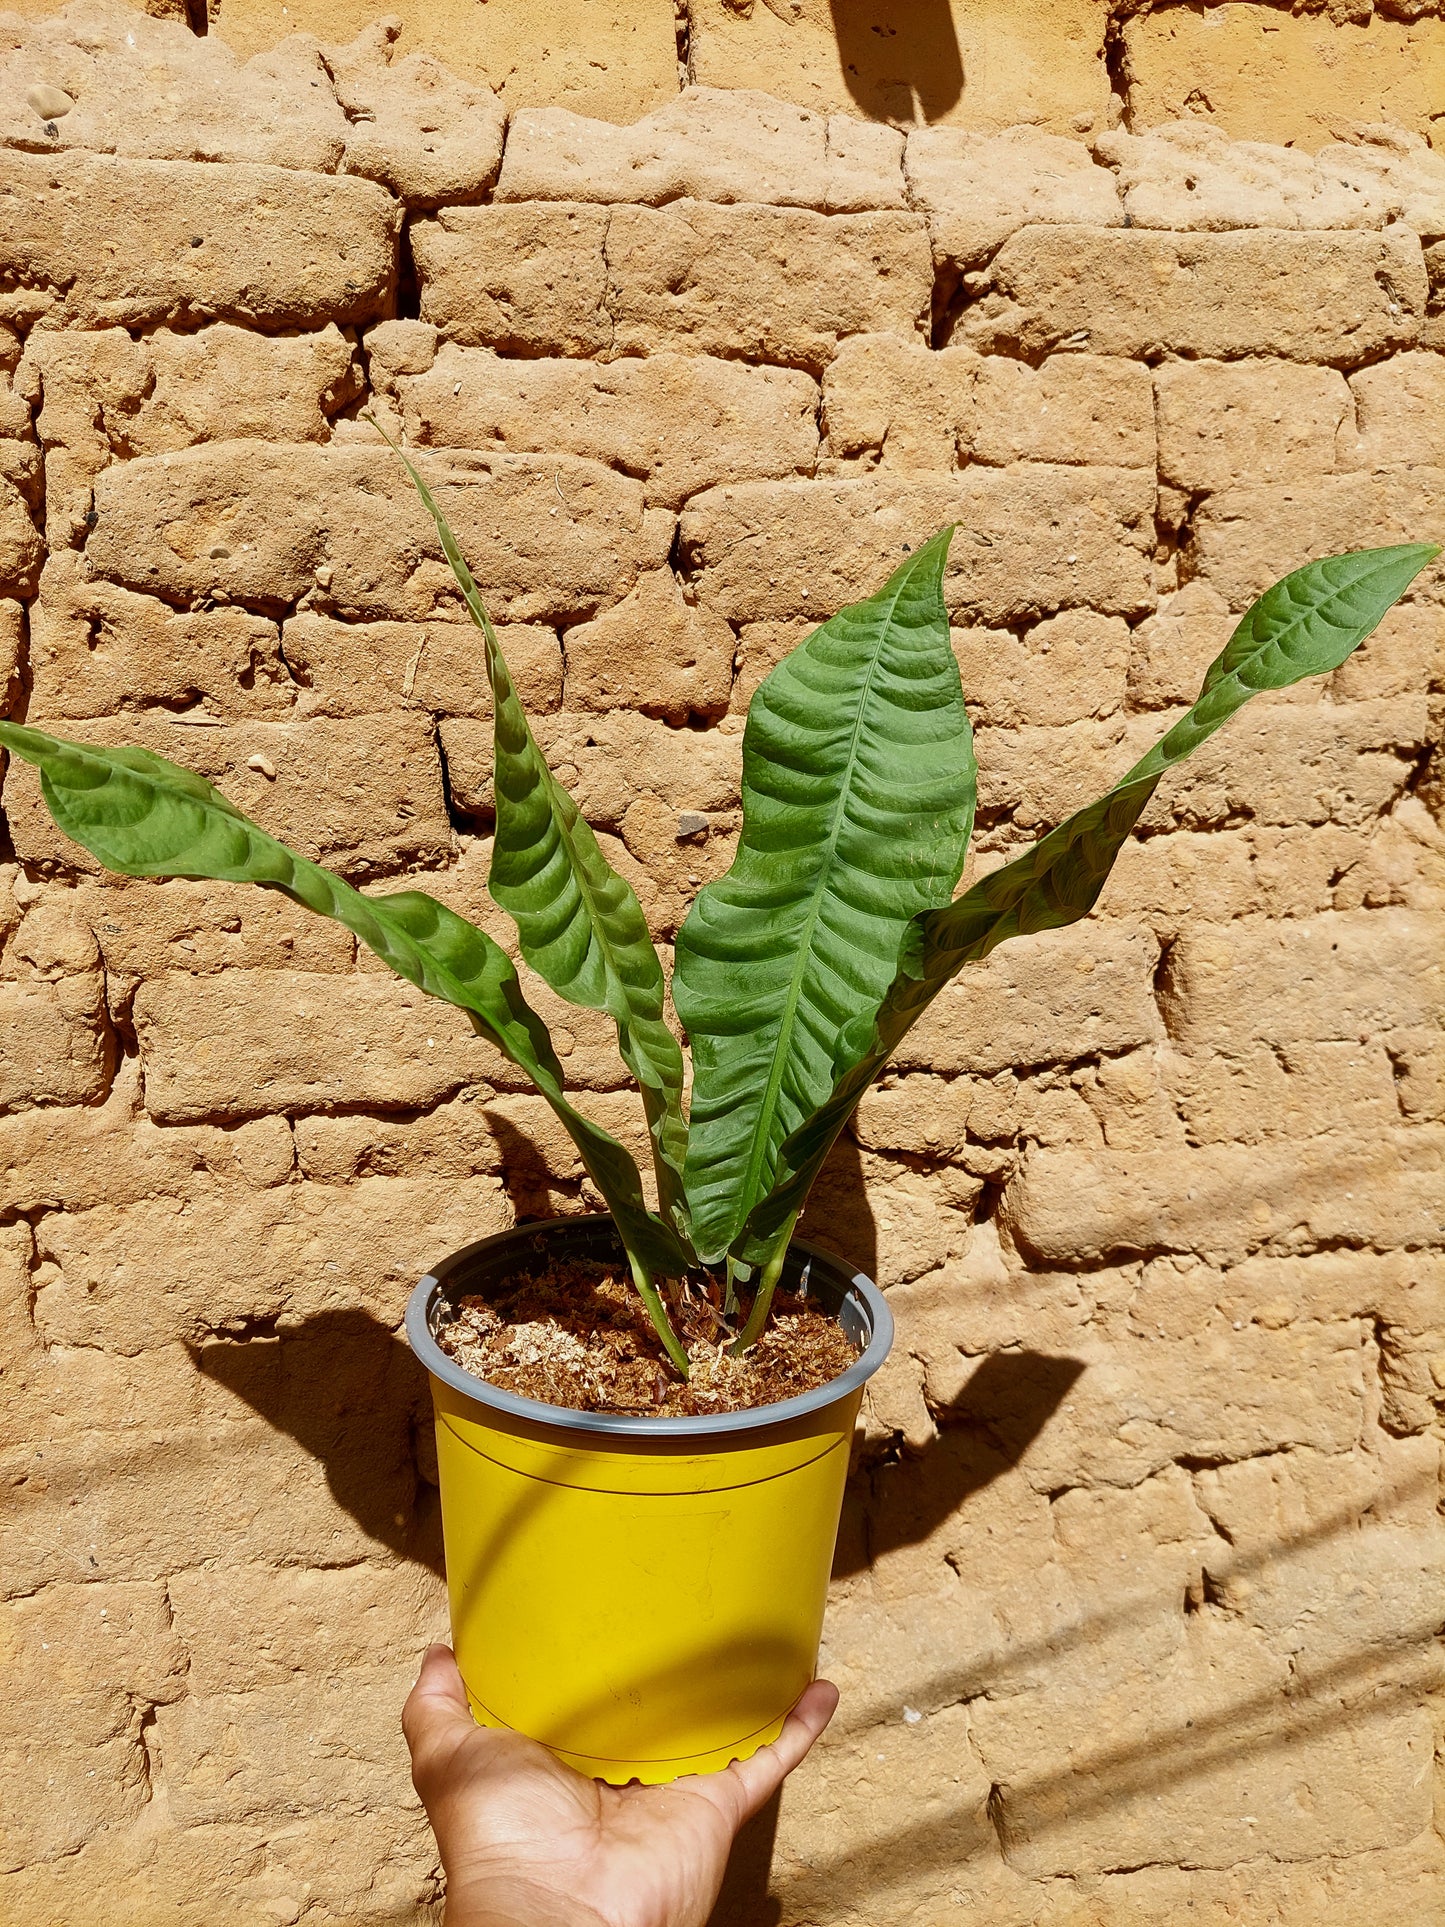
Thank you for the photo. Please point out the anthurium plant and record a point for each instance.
(800, 971)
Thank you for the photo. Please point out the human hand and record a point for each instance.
(526, 1842)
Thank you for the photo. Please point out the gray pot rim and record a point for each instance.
(867, 1298)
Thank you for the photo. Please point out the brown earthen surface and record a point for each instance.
(1138, 1593)
(576, 1334)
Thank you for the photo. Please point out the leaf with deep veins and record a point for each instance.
(799, 972)
(580, 925)
(1304, 626)
(144, 816)
(858, 785)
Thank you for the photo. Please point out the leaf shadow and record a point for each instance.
(348, 1390)
(900, 58)
(533, 1188)
(1000, 1411)
(838, 1215)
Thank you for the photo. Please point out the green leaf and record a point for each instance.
(858, 790)
(1304, 626)
(580, 925)
(144, 816)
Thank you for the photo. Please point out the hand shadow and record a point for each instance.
(744, 1900)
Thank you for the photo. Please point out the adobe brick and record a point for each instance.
(1341, 298)
(979, 188)
(54, 1042)
(96, 649)
(69, 1157)
(1300, 763)
(1245, 539)
(681, 422)
(339, 1743)
(168, 1269)
(249, 1043)
(547, 538)
(1074, 408)
(1223, 424)
(1051, 999)
(132, 243)
(1031, 539)
(1226, 1201)
(367, 668)
(1345, 977)
(709, 144)
(767, 284)
(1400, 414)
(900, 401)
(1063, 669)
(528, 278)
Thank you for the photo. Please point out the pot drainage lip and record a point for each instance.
(851, 1292)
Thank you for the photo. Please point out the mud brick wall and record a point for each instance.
(1141, 1570)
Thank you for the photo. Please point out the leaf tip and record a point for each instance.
(1401, 564)
(926, 561)
(939, 544)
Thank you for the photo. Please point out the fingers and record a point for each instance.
(436, 1711)
(438, 1688)
(804, 1725)
(756, 1780)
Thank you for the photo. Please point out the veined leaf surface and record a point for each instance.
(144, 816)
(858, 793)
(1305, 625)
(579, 923)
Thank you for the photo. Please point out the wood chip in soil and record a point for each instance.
(575, 1333)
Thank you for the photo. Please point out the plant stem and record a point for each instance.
(767, 1284)
(730, 1293)
(657, 1312)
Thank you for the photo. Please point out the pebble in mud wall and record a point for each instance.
(1140, 1574)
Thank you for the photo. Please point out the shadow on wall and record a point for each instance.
(984, 1433)
(350, 1393)
(838, 1216)
(532, 1187)
(1387, 1676)
(348, 1390)
(1378, 1683)
(900, 58)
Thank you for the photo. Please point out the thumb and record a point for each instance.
(745, 1786)
(436, 1716)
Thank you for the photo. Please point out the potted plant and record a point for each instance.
(643, 1589)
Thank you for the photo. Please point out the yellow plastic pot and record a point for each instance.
(644, 1596)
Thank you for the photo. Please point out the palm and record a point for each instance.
(524, 1836)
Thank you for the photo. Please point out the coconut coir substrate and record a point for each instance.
(575, 1333)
